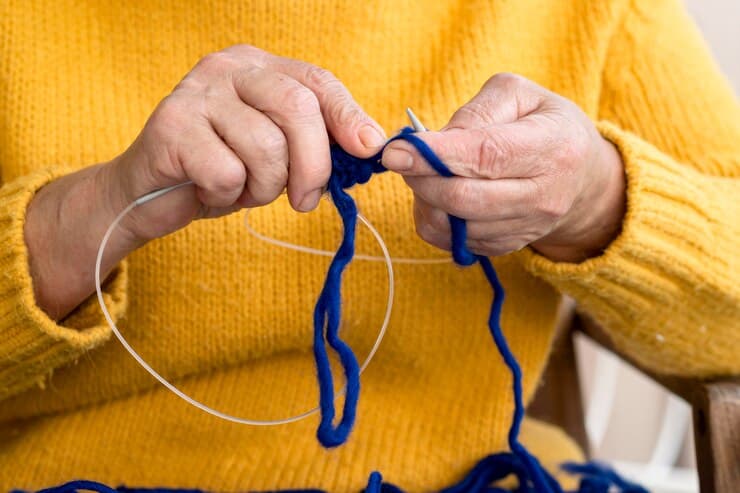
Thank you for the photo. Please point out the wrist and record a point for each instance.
(65, 222)
(114, 192)
(596, 218)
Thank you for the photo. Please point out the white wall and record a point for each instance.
(719, 20)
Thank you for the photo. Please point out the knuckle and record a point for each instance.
(169, 115)
(343, 112)
(210, 99)
(273, 147)
(241, 77)
(279, 178)
(318, 174)
(505, 80)
(266, 184)
(492, 154)
(299, 101)
(228, 179)
(456, 194)
(319, 77)
(258, 198)
(216, 62)
(244, 50)
(263, 195)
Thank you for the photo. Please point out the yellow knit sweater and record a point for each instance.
(228, 318)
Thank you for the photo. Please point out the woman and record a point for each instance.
(607, 169)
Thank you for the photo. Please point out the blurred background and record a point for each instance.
(633, 423)
(719, 20)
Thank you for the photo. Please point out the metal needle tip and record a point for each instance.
(415, 121)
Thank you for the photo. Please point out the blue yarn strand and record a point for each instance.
(328, 314)
(599, 478)
(82, 485)
(347, 171)
(74, 486)
(519, 462)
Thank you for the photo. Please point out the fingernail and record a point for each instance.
(397, 159)
(371, 137)
(310, 201)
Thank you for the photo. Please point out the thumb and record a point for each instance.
(493, 152)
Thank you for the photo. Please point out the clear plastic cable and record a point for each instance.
(328, 253)
(228, 417)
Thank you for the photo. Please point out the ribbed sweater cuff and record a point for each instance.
(667, 253)
(32, 345)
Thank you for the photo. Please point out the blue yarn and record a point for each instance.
(375, 484)
(81, 485)
(347, 171)
(598, 478)
(74, 486)
(328, 314)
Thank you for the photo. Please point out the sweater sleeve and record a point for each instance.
(32, 345)
(667, 289)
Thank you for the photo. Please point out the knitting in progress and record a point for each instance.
(228, 318)
(531, 475)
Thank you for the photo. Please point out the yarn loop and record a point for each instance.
(347, 171)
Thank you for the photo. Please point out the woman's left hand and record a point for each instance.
(531, 169)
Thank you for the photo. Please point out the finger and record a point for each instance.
(214, 168)
(349, 125)
(483, 237)
(207, 212)
(512, 150)
(432, 224)
(295, 109)
(474, 199)
(496, 247)
(259, 143)
(504, 98)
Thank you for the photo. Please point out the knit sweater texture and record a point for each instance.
(228, 318)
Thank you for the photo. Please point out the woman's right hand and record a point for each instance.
(242, 126)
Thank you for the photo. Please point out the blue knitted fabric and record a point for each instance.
(347, 171)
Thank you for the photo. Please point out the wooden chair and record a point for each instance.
(715, 405)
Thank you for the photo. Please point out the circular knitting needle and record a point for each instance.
(228, 417)
(418, 126)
